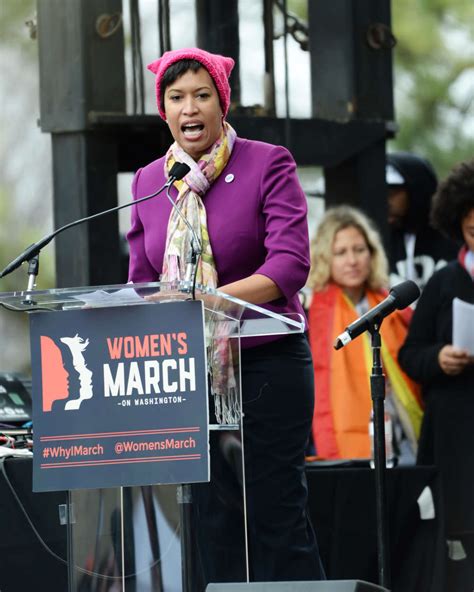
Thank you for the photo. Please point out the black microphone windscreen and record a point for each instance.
(179, 170)
(405, 293)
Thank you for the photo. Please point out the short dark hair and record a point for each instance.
(174, 72)
(453, 200)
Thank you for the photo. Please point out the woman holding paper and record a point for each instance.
(446, 371)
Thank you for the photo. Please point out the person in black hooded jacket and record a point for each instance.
(415, 249)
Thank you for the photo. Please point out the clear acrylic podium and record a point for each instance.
(166, 537)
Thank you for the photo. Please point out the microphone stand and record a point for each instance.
(400, 297)
(192, 266)
(377, 392)
(33, 269)
(196, 247)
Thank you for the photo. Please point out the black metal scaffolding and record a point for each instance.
(83, 107)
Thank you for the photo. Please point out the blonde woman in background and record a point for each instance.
(349, 275)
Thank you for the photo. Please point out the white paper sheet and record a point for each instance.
(103, 298)
(463, 325)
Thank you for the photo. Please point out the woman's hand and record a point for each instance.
(453, 360)
(256, 289)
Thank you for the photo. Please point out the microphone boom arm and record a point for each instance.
(34, 250)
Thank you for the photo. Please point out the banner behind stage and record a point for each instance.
(119, 396)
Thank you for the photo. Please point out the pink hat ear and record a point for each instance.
(228, 65)
(154, 66)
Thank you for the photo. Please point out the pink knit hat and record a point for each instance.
(219, 68)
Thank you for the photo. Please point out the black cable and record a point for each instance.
(287, 80)
(137, 59)
(164, 25)
(44, 544)
(195, 276)
(295, 27)
(134, 74)
(25, 513)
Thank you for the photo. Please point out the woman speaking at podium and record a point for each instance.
(245, 204)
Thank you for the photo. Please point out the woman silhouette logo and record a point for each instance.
(55, 378)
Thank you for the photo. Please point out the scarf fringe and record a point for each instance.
(227, 407)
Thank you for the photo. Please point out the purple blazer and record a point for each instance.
(256, 217)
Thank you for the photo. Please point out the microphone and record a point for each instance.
(196, 246)
(177, 172)
(400, 297)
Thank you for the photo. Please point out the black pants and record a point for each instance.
(278, 399)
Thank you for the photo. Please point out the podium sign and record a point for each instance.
(120, 399)
(120, 396)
